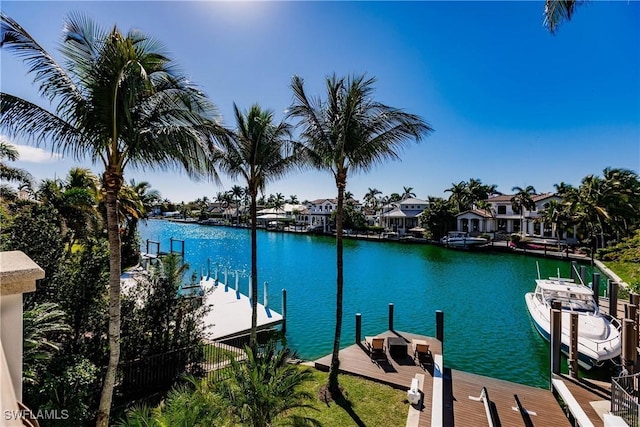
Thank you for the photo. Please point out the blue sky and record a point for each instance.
(511, 104)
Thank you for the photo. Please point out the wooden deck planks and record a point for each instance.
(468, 412)
(459, 409)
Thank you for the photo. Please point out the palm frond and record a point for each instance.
(21, 117)
(557, 11)
(52, 79)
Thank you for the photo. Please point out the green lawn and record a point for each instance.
(367, 403)
(628, 271)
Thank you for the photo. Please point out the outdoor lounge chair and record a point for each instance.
(376, 347)
(421, 351)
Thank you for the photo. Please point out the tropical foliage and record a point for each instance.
(120, 101)
(264, 389)
(9, 174)
(558, 11)
(605, 208)
(348, 132)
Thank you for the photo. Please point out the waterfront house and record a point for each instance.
(317, 213)
(500, 218)
(402, 215)
(287, 213)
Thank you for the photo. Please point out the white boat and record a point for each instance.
(461, 239)
(598, 335)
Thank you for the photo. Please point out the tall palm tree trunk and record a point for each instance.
(254, 271)
(113, 182)
(335, 361)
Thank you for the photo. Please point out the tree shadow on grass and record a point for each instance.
(345, 404)
(341, 400)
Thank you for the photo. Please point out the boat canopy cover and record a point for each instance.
(563, 286)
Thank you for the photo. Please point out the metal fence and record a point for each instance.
(624, 398)
(154, 374)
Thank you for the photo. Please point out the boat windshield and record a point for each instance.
(572, 301)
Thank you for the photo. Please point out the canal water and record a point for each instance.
(487, 327)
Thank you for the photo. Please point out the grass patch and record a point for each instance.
(366, 403)
(628, 271)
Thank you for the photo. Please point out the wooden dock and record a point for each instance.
(459, 409)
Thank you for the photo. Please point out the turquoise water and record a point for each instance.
(487, 328)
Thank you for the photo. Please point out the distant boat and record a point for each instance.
(461, 239)
(211, 221)
(598, 336)
(318, 228)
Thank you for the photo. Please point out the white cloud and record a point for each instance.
(32, 154)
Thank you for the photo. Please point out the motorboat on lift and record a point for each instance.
(598, 335)
(462, 239)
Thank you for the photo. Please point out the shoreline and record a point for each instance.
(501, 246)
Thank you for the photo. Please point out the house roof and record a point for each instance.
(399, 213)
(413, 201)
(476, 212)
(508, 197)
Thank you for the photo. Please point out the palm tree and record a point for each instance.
(293, 199)
(407, 192)
(120, 101)
(523, 200)
(459, 195)
(75, 201)
(257, 150)
(438, 217)
(348, 195)
(558, 11)
(349, 131)
(265, 387)
(9, 173)
(236, 192)
(43, 325)
(371, 198)
(195, 404)
(148, 197)
(557, 215)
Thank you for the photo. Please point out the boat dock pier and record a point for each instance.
(451, 397)
(230, 315)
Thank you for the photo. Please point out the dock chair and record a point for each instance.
(377, 349)
(421, 351)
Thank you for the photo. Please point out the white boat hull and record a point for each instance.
(598, 339)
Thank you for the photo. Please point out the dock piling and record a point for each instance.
(556, 339)
(613, 298)
(358, 328)
(595, 285)
(440, 327)
(628, 345)
(583, 274)
(284, 311)
(391, 316)
(574, 266)
(573, 348)
(265, 297)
